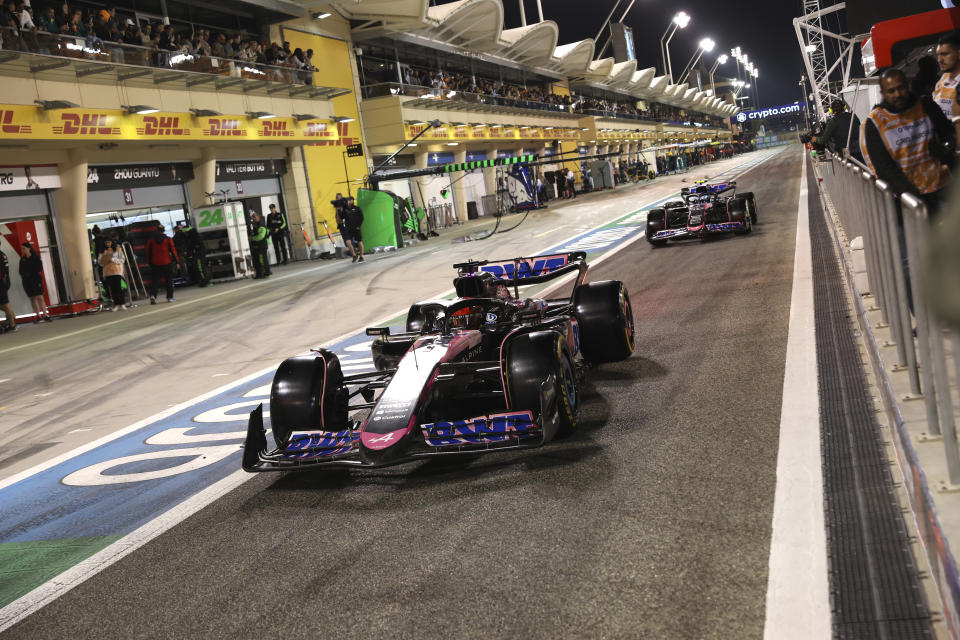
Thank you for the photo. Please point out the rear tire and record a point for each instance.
(751, 204)
(308, 393)
(656, 221)
(605, 316)
(531, 358)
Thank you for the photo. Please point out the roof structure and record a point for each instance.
(477, 25)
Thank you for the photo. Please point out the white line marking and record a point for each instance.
(54, 588)
(4, 380)
(219, 375)
(79, 430)
(798, 605)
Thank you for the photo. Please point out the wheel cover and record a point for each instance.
(627, 311)
(568, 381)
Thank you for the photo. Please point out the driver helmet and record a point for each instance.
(467, 318)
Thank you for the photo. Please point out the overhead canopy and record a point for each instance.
(477, 25)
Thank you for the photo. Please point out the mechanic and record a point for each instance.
(945, 93)
(835, 134)
(159, 249)
(11, 323)
(352, 237)
(195, 255)
(906, 140)
(258, 246)
(277, 223)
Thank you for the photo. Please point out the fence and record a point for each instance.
(894, 231)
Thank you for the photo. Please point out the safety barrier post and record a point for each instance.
(891, 221)
(940, 418)
(872, 243)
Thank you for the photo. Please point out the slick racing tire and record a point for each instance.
(531, 358)
(605, 316)
(308, 393)
(739, 211)
(656, 221)
(751, 204)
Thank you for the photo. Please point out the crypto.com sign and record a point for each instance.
(759, 114)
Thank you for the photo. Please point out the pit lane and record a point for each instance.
(653, 521)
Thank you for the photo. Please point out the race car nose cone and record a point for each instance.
(380, 441)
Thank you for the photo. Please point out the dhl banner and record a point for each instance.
(451, 132)
(33, 123)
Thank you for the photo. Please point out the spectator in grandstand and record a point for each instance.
(25, 12)
(131, 35)
(146, 35)
(73, 26)
(217, 49)
(906, 141)
(48, 20)
(11, 23)
(63, 14)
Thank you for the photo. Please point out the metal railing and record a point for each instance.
(894, 230)
(93, 49)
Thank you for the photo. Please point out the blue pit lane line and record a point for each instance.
(130, 478)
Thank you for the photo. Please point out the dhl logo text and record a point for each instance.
(7, 126)
(87, 124)
(275, 129)
(224, 127)
(162, 126)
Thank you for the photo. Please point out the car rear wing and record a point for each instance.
(716, 187)
(529, 270)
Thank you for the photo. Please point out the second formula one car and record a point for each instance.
(486, 371)
(706, 208)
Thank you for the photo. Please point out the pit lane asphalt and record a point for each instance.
(653, 521)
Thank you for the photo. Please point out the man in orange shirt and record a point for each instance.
(906, 142)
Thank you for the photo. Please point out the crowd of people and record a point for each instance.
(454, 85)
(921, 161)
(150, 44)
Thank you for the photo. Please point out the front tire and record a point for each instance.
(605, 316)
(308, 393)
(531, 358)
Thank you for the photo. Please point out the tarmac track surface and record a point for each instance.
(652, 521)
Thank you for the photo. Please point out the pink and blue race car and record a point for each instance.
(705, 209)
(484, 372)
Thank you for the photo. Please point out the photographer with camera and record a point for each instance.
(339, 205)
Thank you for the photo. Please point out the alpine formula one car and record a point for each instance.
(706, 209)
(486, 371)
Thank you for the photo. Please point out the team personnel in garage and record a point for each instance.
(907, 140)
(11, 323)
(945, 93)
(259, 237)
(277, 223)
(162, 258)
(352, 237)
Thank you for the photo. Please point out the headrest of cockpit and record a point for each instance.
(475, 285)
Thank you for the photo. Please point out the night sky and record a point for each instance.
(762, 28)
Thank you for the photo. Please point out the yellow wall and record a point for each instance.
(325, 159)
